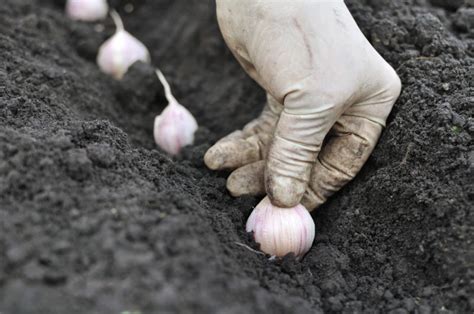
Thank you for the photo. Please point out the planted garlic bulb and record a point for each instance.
(281, 231)
(87, 10)
(120, 51)
(175, 127)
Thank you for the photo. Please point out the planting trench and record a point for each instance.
(95, 219)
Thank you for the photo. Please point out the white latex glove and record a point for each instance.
(325, 82)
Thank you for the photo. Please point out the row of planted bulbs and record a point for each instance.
(279, 231)
(175, 127)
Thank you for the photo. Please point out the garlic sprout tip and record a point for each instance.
(117, 20)
(168, 94)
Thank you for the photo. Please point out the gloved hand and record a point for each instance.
(328, 97)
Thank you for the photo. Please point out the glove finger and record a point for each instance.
(233, 153)
(295, 147)
(238, 134)
(247, 145)
(341, 158)
(247, 180)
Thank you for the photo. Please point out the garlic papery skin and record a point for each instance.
(281, 231)
(175, 127)
(87, 10)
(120, 51)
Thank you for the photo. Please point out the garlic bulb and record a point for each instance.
(87, 10)
(281, 231)
(175, 127)
(120, 51)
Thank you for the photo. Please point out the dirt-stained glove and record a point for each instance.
(325, 82)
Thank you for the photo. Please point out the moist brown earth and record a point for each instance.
(95, 219)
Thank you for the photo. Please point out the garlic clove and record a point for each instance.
(120, 51)
(87, 10)
(281, 231)
(175, 127)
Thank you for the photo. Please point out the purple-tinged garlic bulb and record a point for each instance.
(281, 231)
(175, 127)
(120, 51)
(87, 10)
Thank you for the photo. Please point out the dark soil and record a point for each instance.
(95, 219)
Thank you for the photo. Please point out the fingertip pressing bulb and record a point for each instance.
(175, 127)
(87, 10)
(120, 51)
(281, 231)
